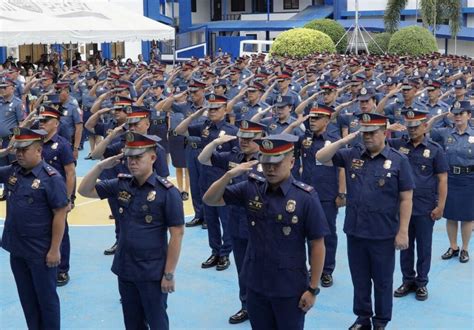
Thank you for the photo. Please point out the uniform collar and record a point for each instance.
(284, 186)
(54, 138)
(384, 152)
(469, 131)
(152, 180)
(218, 125)
(36, 170)
(423, 142)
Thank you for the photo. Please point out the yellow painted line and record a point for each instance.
(95, 212)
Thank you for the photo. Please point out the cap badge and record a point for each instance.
(279, 99)
(366, 118)
(178, 90)
(212, 97)
(457, 105)
(410, 114)
(16, 131)
(117, 99)
(363, 91)
(458, 82)
(128, 109)
(245, 124)
(45, 98)
(130, 137)
(267, 144)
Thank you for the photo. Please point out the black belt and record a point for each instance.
(158, 121)
(462, 169)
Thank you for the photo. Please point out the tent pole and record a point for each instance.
(70, 55)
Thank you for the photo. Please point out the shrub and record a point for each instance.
(412, 40)
(333, 29)
(382, 39)
(302, 42)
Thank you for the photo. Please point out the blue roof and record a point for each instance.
(296, 21)
(377, 25)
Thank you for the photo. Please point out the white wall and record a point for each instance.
(263, 17)
(203, 12)
(376, 4)
(278, 6)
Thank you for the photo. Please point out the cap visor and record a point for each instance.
(369, 128)
(414, 123)
(134, 151)
(364, 98)
(133, 120)
(266, 159)
(22, 144)
(246, 135)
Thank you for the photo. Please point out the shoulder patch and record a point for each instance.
(124, 176)
(303, 186)
(255, 177)
(165, 182)
(50, 170)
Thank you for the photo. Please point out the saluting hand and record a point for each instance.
(110, 162)
(349, 137)
(53, 258)
(224, 139)
(242, 168)
(307, 301)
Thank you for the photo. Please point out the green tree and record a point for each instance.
(302, 42)
(333, 29)
(433, 12)
(380, 40)
(412, 40)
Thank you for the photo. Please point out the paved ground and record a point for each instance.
(206, 298)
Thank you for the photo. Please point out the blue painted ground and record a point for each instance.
(206, 298)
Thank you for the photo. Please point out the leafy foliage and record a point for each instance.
(382, 40)
(302, 42)
(333, 29)
(412, 40)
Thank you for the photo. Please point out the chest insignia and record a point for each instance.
(290, 206)
(450, 139)
(221, 133)
(151, 196)
(124, 196)
(471, 139)
(357, 164)
(307, 142)
(244, 109)
(426, 153)
(148, 218)
(381, 182)
(12, 180)
(327, 142)
(272, 127)
(404, 150)
(255, 204)
(354, 123)
(205, 133)
(294, 219)
(279, 217)
(387, 164)
(286, 230)
(55, 146)
(232, 165)
(35, 184)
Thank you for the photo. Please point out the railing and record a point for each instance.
(232, 17)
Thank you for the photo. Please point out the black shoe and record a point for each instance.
(204, 225)
(379, 327)
(450, 253)
(464, 256)
(111, 250)
(239, 317)
(358, 326)
(184, 196)
(193, 223)
(421, 293)
(223, 263)
(210, 262)
(88, 157)
(326, 280)
(111, 217)
(63, 279)
(403, 290)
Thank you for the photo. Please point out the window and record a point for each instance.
(291, 4)
(237, 5)
(193, 6)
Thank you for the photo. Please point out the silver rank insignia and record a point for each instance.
(294, 219)
(151, 196)
(148, 218)
(426, 153)
(55, 146)
(290, 206)
(286, 230)
(387, 164)
(404, 150)
(35, 184)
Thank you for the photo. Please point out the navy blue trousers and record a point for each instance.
(65, 250)
(239, 246)
(36, 285)
(220, 241)
(330, 241)
(143, 305)
(274, 313)
(421, 232)
(372, 261)
(194, 168)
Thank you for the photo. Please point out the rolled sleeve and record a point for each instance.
(235, 194)
(107, 188)
(174, 212)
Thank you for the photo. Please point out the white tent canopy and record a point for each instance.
(76, 21)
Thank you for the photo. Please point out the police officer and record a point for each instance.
(379, 202)
(57, 152)
(430, 167)
(149, 205)
(11, 114)
(212, 128)
(36, 210)
(458, 143)
(246, 109)
(282, 214)
(327, 181)
(246, 151)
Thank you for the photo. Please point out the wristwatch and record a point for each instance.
(342, 195)
(168, 276)
(314, 291)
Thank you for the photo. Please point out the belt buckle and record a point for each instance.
(194, 145)
(456, 170)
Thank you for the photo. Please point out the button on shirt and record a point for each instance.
(459, 148)
(373, 188)
(31, 199)
(279, 222)
(145, 213)
(427, 161)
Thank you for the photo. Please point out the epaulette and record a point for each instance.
(165, 182)
(124, 176)
(256, 177)
(50, 170)
(303, 186)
